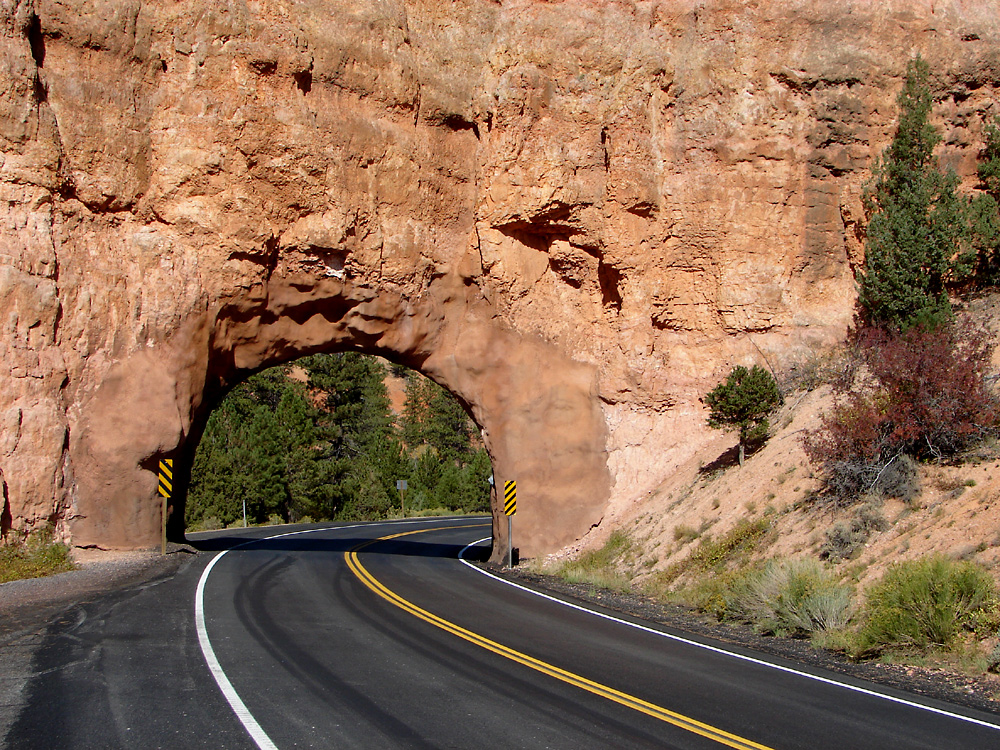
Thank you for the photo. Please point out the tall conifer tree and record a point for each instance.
(917, 240)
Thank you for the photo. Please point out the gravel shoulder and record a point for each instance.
(981, 693)
(28, 608)
(28, 604)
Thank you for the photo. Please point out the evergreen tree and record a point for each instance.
(356, 402)
(448, 491)
(243, 451)
(424, 478)
(330, 449)
(475, 487)
(416, 409)
(448, 427)
(743, 402)
(917, 238)
(984, 214)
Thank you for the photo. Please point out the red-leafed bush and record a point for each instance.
(921, 393)
(937, 400)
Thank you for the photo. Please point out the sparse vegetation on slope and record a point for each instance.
(34, 557)
(600, 567)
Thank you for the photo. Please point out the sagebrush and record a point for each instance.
(925, 603)
(789, 597)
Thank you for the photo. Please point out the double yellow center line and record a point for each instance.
(629, 701)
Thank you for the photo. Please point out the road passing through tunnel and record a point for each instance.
(379, 636)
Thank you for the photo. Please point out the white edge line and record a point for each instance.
(246, 718)
(725, 652)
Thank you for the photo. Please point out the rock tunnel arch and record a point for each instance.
(527, 201)
(538, 409)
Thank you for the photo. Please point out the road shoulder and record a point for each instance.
(29, 607)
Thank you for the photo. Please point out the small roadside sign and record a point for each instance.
(166, 489)
(509, 509)
(510, 497)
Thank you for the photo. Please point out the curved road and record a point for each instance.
(378, 636)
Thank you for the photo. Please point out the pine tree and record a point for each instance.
(416, 409)
(984, 214)
(356, 401)
(475, 486)
(448, 427)
(917, 238)
(743, 402)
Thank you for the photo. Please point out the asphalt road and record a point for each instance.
(328, 639)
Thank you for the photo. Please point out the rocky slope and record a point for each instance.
(575, 215)
(954, 508)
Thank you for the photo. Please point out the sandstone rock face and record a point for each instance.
(575, 215)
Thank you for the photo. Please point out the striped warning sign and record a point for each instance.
(166, 487)
(510, 497)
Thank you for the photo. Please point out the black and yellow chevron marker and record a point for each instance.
(166, 487)
(510, 497)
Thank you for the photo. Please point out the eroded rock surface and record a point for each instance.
(575, 215)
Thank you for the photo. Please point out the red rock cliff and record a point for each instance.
(576, 215)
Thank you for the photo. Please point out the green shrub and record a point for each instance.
(926, 603)
(711, 593)
(993, 660)
(436, 511)
(38, 556)
(210, 523)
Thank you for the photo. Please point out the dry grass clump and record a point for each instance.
(599, 567)
(38, 556)
(786, 597)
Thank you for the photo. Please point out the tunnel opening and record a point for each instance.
(335, 436)
(534, 407)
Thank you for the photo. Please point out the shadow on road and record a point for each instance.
(315, 541)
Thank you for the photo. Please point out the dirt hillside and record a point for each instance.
(956, 512)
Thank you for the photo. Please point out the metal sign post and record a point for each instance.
(509, 509)
(165, 488)
(401, 486)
